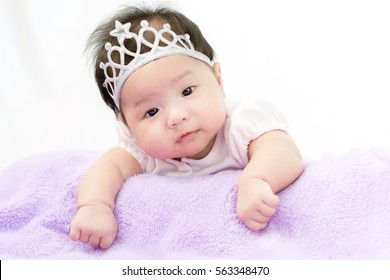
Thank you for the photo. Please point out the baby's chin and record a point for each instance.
(195, 150)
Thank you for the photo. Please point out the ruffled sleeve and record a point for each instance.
(249, 120)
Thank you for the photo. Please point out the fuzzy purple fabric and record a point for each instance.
(338, 209)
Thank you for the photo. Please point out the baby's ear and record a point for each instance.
(121, 118)
(217, 72)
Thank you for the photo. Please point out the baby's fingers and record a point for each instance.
(106, 242)
(271, 200)
(265, 210)
(94, 240)
(256, 225)
(74, 233)
(84, 236)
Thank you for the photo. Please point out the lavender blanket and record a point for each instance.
(338, 209)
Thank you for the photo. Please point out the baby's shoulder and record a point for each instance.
(249, 119)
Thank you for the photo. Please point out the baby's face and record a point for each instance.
(174, 107)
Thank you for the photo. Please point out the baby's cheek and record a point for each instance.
(155, 145)
(154, 151)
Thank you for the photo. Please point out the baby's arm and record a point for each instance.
(274, 163)
(94, 222)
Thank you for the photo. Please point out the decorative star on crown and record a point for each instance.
(117, 72)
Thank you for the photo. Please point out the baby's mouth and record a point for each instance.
(187, 136)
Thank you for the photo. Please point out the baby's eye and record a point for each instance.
(151, 112)
(188, 91)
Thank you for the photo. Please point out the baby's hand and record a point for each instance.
(94, 224)
(256, 203)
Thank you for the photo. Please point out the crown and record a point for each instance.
(116, 73)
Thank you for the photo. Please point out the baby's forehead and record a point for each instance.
(163, 73)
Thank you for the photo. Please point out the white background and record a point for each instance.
(325, 64)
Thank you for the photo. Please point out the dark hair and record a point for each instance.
(179, 23)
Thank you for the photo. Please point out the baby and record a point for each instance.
(157, 72)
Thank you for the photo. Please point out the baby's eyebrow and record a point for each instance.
(174, 80)
(138, 102)
(182, 76)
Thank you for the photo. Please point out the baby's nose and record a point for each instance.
(176, 117)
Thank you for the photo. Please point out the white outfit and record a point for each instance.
(245, 122)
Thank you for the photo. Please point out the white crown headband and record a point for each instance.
(119, 72)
